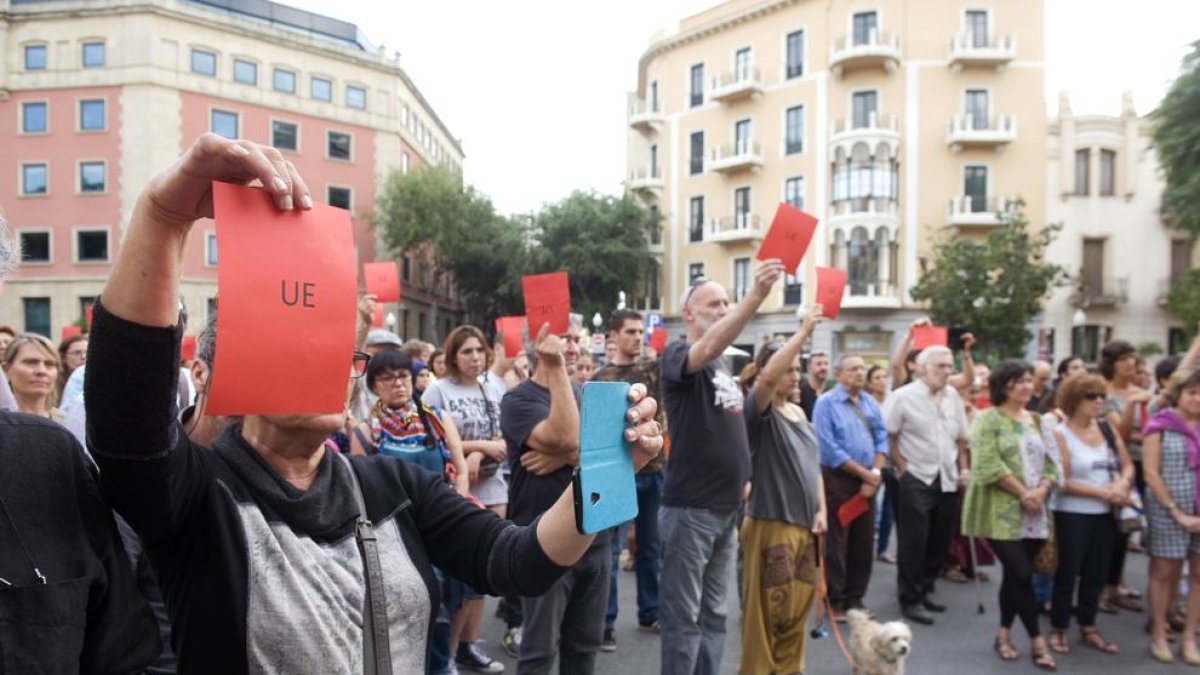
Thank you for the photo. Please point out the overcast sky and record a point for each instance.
(536, 88)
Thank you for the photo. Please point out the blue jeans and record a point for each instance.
(646, 561)
(698, 550)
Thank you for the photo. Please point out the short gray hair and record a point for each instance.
(841, 362)
(926, 355)
(206, 342)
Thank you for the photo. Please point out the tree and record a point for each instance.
(1183, 301)
(601, 241)
(1177, 140)
(995, 287)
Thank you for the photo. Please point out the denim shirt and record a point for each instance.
(841, 434)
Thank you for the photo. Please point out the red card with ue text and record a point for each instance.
(287, 283)
(831, 284)
(187, 349)
(377, 317)
(511, 328)
(789, 236)
(851, 509)
(547, 300)
(69, 331)
(658, 340)
(929, 336)
(383, 280)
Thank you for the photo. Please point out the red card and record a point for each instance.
(68, 331)
(87, 316)
(383, 280)
(852, 508)
(282, 273)
(511, 328)
(791, 232)
(831, 284)
(929, 336)
(377, 317)
(658, 340)
(547, 300)
(187, 350)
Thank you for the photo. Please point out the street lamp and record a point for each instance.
(621, 300)
(1079, 318)
(390, 321)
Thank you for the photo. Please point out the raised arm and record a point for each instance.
(722, 333)
(777, 366)
(963, 379)
(558, 434)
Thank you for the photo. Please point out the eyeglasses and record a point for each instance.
(696, 283)
(358, 367)
(1095, 396)
(393, 378)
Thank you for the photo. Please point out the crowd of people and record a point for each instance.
(140, 533)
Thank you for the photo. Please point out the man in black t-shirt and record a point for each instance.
(709, 470)
(812, 386)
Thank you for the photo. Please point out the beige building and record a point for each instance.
(1103, 183)
(889, 120)
(98, 95)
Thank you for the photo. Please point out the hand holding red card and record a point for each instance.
(547, 300)
(512, 328)
(658, 340)
(851, 509)
(929, 336)
(788, 239)
(382, 280)
(831, 285)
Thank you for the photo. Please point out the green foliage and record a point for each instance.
(1177, 140)
(1183, 301)
(993, 288)
(1148, 349)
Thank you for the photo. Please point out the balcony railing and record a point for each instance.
(972, 210)
(741, 227)
(878, 50)
(969, 131)
(969, 49)
(875, 123)
(645, 115)
(1105, 292)
(735, 157)
(736, 85)
(858, 207)
(646, 178)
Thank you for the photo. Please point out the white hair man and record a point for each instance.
(927, 434)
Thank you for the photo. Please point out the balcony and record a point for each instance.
(846, 214)
(735, 86)
(730, 159)
(971, 211)
(1105, 292)
(736, 229)
(964, 131)
(967, 50)
(646, 117)
(878, 129)
(878, 50)
(646, 178)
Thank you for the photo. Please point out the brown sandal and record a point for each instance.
(1005, 649)
(1042, 660)
(1090, 637)
(1058, 642)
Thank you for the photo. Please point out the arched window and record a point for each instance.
(862, 262)
(836, 257)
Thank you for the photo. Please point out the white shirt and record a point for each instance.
(927, 431)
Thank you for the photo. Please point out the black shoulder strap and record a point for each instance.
(1109, 436)
(377, 651)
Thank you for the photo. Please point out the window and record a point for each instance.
(404, 162)
(1086, 341)
(741, 137)
(37, 315)
(793, 192)
(977, 27)
(696, 219)
(1181, 259)
(654, 96)
(91, 245)
(741, 278)
(92, 178)
(285, 136)
(864, 107)
(225, 123)
(795, 54)
(865, 26)
(975, 107)
(975, 187)
(35, 57)
(862, 262)
(794, 130)
(285, 81)
(695, 271)
(245, 71)
(697, 85)
(35, 179)
(338, 196)
(338, 146)
(91, 115)
(93, 55)
(1082, 162)
(793, 289)
(696, 155)
(1091, 276)
(35, 118)
(321, 89)
(741, 64)
(210, 249)
(204, 63)
(1177, 341)
(35, 247)
(1108, 173)
(356, 97)
(406, 269)
(741, 207)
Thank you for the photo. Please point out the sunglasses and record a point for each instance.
(1096, 396)
(696, 283)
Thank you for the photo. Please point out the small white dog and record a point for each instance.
(878, 648)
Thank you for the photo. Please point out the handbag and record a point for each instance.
(488, 466)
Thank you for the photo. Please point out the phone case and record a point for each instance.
(605, 491)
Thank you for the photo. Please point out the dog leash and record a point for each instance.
(825, 609)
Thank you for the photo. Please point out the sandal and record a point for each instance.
(1042, 660)
(956, 575)
(1127, 602)
(1106, 605)
(1005, 649)
(1090, 637)
(1058, 642)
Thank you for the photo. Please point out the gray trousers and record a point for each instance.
(698, 549)
(567, 621)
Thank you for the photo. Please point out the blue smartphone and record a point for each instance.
(604, 487)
